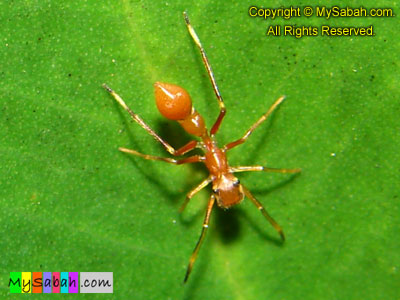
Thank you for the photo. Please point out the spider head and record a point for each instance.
(227, 190)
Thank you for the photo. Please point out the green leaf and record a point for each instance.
(71, 201)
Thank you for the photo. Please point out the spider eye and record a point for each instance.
(236, 183)
(215, 191)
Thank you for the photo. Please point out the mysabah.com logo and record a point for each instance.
(60, 282)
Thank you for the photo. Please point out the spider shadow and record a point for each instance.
(261, 231)
(228, 222)
(174, 135)
(144, 168)
(227, 225)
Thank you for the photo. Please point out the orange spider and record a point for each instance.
(174, 103)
